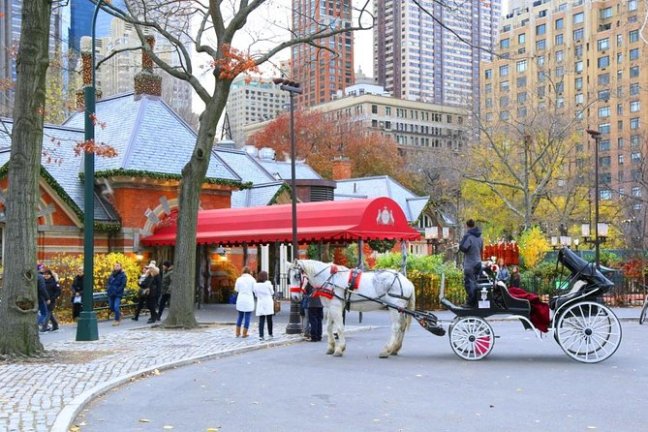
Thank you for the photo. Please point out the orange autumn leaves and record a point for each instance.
(233, 63)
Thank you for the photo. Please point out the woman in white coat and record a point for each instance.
(244, 301)
(265, 305)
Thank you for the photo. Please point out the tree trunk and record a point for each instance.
(18, 297)
(181, 312)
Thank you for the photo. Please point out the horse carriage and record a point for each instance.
(586, 329)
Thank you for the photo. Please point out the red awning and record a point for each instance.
(328, 221)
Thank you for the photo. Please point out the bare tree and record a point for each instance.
(18, 296)
(219, 24)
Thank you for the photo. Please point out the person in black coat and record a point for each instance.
(315, 314)
(53, 291)
(148, 293)
(77, 294)
(43, 301)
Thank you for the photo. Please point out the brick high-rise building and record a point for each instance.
(321, 72)
(417, 58)
(585, 59)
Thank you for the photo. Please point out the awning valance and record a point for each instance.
(327, 221)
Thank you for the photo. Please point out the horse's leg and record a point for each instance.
(391, 347)
(330, 339)
(338, 327)
(400, 335)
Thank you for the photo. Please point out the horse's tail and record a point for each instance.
(411, 305)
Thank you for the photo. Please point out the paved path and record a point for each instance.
(34, 394)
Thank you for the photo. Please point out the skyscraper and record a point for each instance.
(322, 72)
(421, 58)
(81, 21)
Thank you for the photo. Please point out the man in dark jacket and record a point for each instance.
(471, 245)
(115, 291)
(53, 292)
(43, 301)
(315, 314)
(77, 294)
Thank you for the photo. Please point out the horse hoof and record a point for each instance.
(394, 353)
(337, 354)
(383, 355)
(329, 351)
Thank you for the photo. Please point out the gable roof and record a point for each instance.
(377, 186)
(147, 135)
(62, 165)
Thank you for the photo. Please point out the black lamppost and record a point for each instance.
(293, 88)
(87, 329)
(597, 241)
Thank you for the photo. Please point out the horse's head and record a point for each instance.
(295, 280)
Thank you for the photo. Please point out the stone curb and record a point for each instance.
(66, 417)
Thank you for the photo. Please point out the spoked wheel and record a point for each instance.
(471, 338)
(644, 312)
(588, 332)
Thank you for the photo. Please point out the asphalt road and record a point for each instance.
(525, 384)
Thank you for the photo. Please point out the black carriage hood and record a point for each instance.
(586, 269)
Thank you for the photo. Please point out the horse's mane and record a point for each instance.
(316, 266)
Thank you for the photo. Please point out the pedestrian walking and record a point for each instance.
(315, 314)
(53, 291)
(264, 293)
(116, 285)
(147, 293)
(244, 287)
(165, 293)
(43, 301)
(77, 294)
(471, 245)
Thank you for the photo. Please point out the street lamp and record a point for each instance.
(597, 241)
(293, 88)
(87, 329)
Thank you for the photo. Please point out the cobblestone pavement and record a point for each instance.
(32, 394)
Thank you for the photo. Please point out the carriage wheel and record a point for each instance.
(588, 332)
(644, 312)
(471, 338)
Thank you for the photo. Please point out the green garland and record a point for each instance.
(107, 227)
(283, 188)
(118, 172)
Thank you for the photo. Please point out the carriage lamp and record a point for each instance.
(602, 233)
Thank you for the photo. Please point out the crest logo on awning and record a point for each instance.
(385, 217)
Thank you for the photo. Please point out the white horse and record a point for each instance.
(340, 287)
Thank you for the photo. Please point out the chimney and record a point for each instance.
(86, 73)
(341, 168)
(147, 82)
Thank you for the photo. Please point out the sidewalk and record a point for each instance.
(44, 395)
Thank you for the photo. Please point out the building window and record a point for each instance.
(578, 50)
(632, 5)
(488, 73)
(603, 61)
(540, 61)
(578, 66)
(634, 71)
(522, 38)
(504, 101)
(635, 106)
(604, 112)
(521, 66)
(578, 34)
(488, 88)
(634, 54)
(604, 161)
(541, 92)
(578, 83)
(603, 44)
(604, 145)
(504, 115)
(634, 89)
(579, 98)
(579, 18)
(604, 128)
(560, 56)
(635, 157)
(559, 24)
(604, 79)
(606, 13)
(505, 43)
(504, 86)
(504, 70)
(541, 29)
(634, 123)
(635, 140)
(521, 81)
(541, 44)
(620, 143)
(634, 36)
(558, 39)
(606, 194)
(521, 97)
(374, 109)
(604, 95)
(560, 71)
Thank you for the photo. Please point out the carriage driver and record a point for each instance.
(471, 245)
